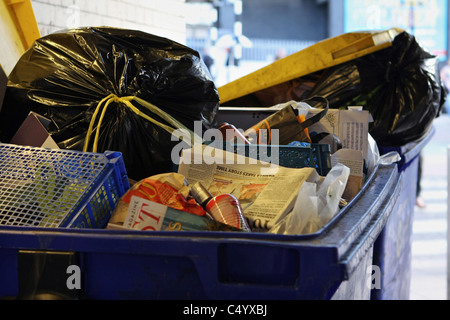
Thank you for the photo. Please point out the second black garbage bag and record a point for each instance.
(112, 89)
(400, 86)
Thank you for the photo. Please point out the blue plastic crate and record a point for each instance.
(49, 188)
(303, 155)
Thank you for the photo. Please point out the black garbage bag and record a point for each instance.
(400, 86)
(67, 76)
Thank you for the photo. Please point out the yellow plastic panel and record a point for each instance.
(319, 56)
(18, 31)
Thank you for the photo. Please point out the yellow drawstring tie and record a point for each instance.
(186, 134)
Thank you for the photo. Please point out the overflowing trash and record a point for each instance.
(152, 100)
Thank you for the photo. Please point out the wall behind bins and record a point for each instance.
(165, 18)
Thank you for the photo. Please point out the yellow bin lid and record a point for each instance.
(18, 31)
(322, 55)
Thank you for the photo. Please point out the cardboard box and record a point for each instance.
(33, 132)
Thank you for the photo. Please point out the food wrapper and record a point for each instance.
(169, 189)
(146, 215)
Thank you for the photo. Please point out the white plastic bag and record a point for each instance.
(376, 159)
(316, 204)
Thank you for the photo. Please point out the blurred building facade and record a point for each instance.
(251, 33)
(243, 35)
(165, 18)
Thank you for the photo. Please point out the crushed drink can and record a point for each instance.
(226, 209)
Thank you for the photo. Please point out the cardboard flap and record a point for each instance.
(33, 133)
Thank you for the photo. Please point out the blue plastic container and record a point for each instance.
(334, 263)
(392, 251)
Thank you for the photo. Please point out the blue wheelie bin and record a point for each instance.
(334, 263)
(392, 250)
(78, 259)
